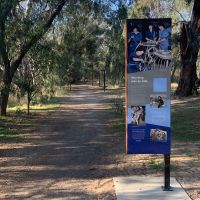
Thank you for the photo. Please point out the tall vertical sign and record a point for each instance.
(148, 60)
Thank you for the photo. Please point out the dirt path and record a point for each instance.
(73, 153)
(65, 156)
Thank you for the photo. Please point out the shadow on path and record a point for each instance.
(67, 154)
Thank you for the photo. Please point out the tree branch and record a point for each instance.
(195, 20)
(174, 8)
(6, 8)
(3, 48)
(36, 37)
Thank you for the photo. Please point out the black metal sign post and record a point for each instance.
(167, 186)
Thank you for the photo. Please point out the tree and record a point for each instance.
(42, 18)
(189, 48)
(27, 82)
(80, 41)
(31, 76)
(113, 44)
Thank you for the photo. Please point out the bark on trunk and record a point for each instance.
(7, 80)
(187, 79)
(4, 98)
(189, 52)
(173, 74)
(189, 48)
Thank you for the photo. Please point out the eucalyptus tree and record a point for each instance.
(114, 40)
(80, 40)
(22, 25)
(189, 48)
(26, 80)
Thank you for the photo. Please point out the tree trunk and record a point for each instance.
(173, 74)
(7, 80)
(189, 52)
(29, 101)
(189, 48)
(70, 87)
(187, 80)
(4, 102)
(4, 98)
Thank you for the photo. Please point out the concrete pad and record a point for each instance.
(147, 188)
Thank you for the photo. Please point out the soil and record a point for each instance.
(74, 152)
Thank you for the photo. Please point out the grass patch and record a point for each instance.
(7, 134)
(158, 165)
(155, 165)
(48, 106)
(117, 104)
(185, 121)
(61, 91)
(119, 125)
(44, 103)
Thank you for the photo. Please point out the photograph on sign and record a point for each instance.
(158, 101)
(158, 135)
(148, 66)
(138, 115)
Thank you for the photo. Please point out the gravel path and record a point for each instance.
(66, 155)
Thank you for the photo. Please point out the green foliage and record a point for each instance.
(114, 44)
(85, 38)
(44, 99)
(25, 86)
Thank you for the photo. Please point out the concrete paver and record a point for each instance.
(147, 188)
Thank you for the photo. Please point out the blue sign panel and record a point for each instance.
(148, 61)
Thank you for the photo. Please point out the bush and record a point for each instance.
(117, 104)
(19, 111)
(44, 99)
